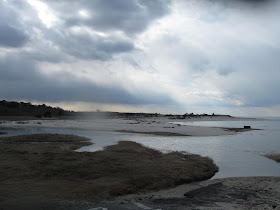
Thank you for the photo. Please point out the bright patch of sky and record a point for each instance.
(45, 14)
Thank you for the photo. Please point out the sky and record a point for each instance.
(168, 56)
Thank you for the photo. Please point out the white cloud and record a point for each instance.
(46, 14)
(84, 14)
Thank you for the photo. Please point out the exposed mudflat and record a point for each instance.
(43, 171)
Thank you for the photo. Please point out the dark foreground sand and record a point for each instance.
(42, 171)
(256, 193)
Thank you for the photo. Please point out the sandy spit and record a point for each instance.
(153, 125)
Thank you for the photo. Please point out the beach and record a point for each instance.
(43, 171)
(148, 125)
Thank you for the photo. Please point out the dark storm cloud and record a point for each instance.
(11, 37)
(241, 4)
(86, 46)
(129, 17)
(257, 1)
(109, 17)
(244, 1)
(11, 32)
(19, 79)
(227, 48)
(257, 4)
(119, 20)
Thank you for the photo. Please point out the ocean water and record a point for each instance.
(236, 155)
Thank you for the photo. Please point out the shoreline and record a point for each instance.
(152, 125)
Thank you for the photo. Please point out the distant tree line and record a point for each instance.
(14, 108)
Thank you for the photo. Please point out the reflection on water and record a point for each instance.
(236, 155)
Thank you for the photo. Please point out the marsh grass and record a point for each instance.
(47, 165)
(273, 156)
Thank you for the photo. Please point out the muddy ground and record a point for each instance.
(230, 193)
(43, 171)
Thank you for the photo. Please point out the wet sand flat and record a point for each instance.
(163, 126)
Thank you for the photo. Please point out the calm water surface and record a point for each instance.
(236, 155)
